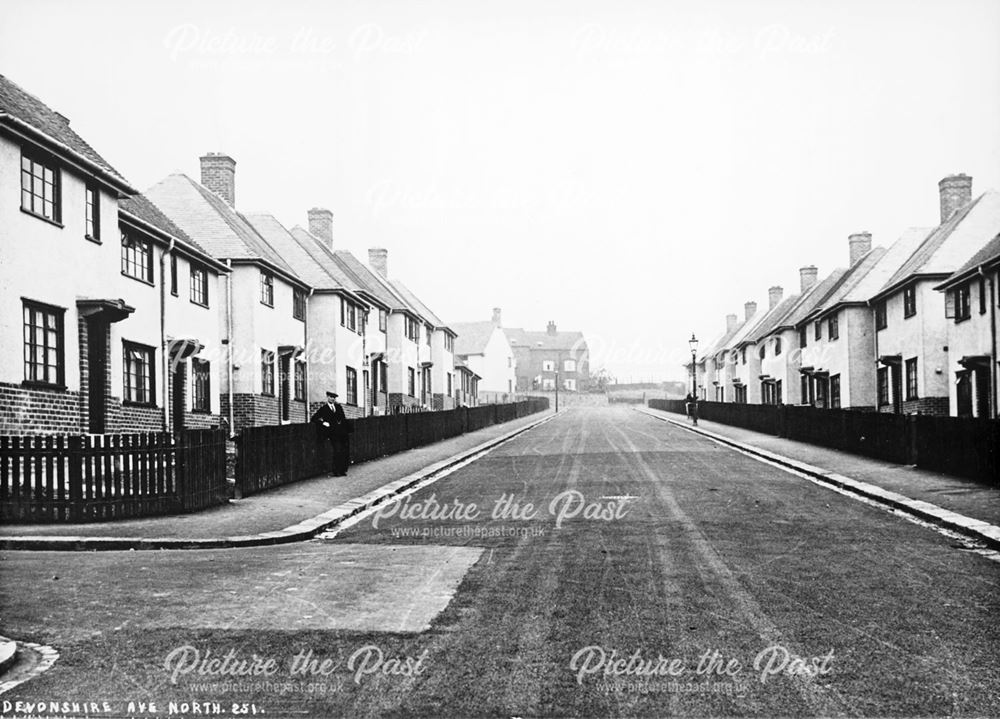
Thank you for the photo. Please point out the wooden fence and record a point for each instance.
(275, 455)
(954, 445)
(60, 478)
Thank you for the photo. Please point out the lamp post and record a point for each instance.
(693, 344)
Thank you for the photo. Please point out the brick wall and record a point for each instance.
(254, 410)
(936, 406)
(397, 399)
(26, 410)
(139, 418)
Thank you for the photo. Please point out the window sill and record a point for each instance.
(912, 314)
(960, 320)
(43, 218)
(200, 304)
(143, 280)
(146, 405)
(201, 411)
(95, 240)
(51, 386)
(300, 319)
(267, 305)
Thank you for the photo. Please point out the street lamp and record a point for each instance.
(693, 344)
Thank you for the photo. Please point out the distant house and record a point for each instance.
(971, 301)
(438, 370)
(108, 305)
(542, 357)
(484, 348)
(916, 360)
(263, 311)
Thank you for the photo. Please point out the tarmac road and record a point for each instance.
(655, 573)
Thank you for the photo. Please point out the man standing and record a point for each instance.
(332, 424)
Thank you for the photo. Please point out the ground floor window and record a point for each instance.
(267, 372)
(911, 378)
(300, 380)
(882, 380)
(352, 386)
(201, 381)
(139, 373)
(43, 344)
(835, 391)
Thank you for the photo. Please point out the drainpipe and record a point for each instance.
(875, 332)
(305, 370)
(993, 341)
(229, 342)
(165, 378)
(366, 391)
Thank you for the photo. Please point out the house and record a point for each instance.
(543, 358)
(263, 305)
(711, 368)
(467, 391)
(838, 365)
(916, 362)
(333, 359)
(437, 383)
(100, 334)
(747, 377)
(484, 348)
(971, 300)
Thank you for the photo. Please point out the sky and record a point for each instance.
(634, 170)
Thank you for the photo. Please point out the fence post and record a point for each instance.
(74, 456)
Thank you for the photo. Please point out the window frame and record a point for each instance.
(881, 315)
(58, 315)
(803, 337)
(963, 302)
(266, 289)
(129, 243)
(299, 381)
(267, 359)
(817, 331)
(298, 304)
(983, 303)
(909, 301)
(46, 161)
(128, 391)
(882, 387)
(411, 382)
(383, 320)
(351, 386)
(777, 347)
(195, 269)
(835, 391)
(173, 275)
(92, 212)
(833, 327)
(201, 385)
(910, 377)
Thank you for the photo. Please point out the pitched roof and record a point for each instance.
(767, 326)
(220, 229)
(742, 334)
(415, 302)
(324, 256)
(846, 289)
(543, 340)
(472, 336)
(301, 262)
(989, 254)
(368, 282)
(22, 106)
(142, 208)
(810, 299)
(723, 341)
(951, 244)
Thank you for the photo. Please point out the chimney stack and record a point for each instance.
(807, 277)
(496, 317)
(551, 329)
(774, 296)
(956, 193)
(749, 310)
(730, 323)
(861, 243)
(218, 174)
(378, 258)
(321, 225)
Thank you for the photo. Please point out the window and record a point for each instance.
(743, 355)
(910, 301)
(449, 344)
(569, 384)
(963, 308)
(412, 329)
(411, 382)
(137, 258)
(382, 320)
(818, 330)
(548, 366)
(199, 286)
(833, 325)
(348, 315)
(881, 320)
(383, 376)
(548, 383)
(882, 377)
(299, 304)
(835, 391)
(267, 372)
(92, 219)
(40, 187)
(777, 392)
(762, 351)
(427, 334)
(201, 379)
(777, 347)
(352, 386)
(911, 378)
(822, 389)
(173, 274)
(804, 389)
(266, 288)
(982, 295)
(449, 383)
(138, 364)
(300, 381)
(569, 365)
(43, 344)
(802, 336)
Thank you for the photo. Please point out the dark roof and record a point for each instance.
(284, 244)
(771, 321)
(558, 341)
(22, 105)
(720, 344)
(472, 336)
(325, 257)
(368, 282)
(810, 299)
(142, 208)
(989, 254)
(417, 304)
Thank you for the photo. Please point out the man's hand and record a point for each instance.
(326, 424)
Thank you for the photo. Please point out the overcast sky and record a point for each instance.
(634, 170)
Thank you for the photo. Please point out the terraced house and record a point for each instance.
(485, 349)
(113, 331)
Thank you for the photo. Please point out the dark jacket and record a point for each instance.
(339, 427)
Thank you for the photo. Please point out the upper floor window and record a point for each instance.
(910, 301)
(449, 344)
(777, 347)
(762, 351)
(818, 331)
(803, 336)
(137, 258)
(834, 327)
(92, 200)
(881, 319)
(298, 304)
(199, 285)
(982, 295)
(266, 288)
(743, 355)
(911, 378)
(173, 274)
(963, 303)
(412, 329)
(352, 386)
(348, 315)
(43, 344)
(427, 334)
(548, 366)
(569, 365)
(382, 320)
(139, 369)
(201, 385)
(40, 189)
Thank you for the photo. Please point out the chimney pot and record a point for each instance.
(749, 310)
(860, 244)
(321, 224)
(218, 174)
(774, 296)
(378, 258)
(956, 193)
(496, 317)
(551, 329)
(730, 323)
(807, 277)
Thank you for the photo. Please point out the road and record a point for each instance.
(655, 573)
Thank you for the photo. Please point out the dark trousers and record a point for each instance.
(341, 455)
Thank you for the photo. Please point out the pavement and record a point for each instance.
(958, 504)
(290, 513)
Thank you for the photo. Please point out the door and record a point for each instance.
(284, 365)
(896, 373)
(982, 392)
(178, 383)
(97, 361)
(963, 388)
